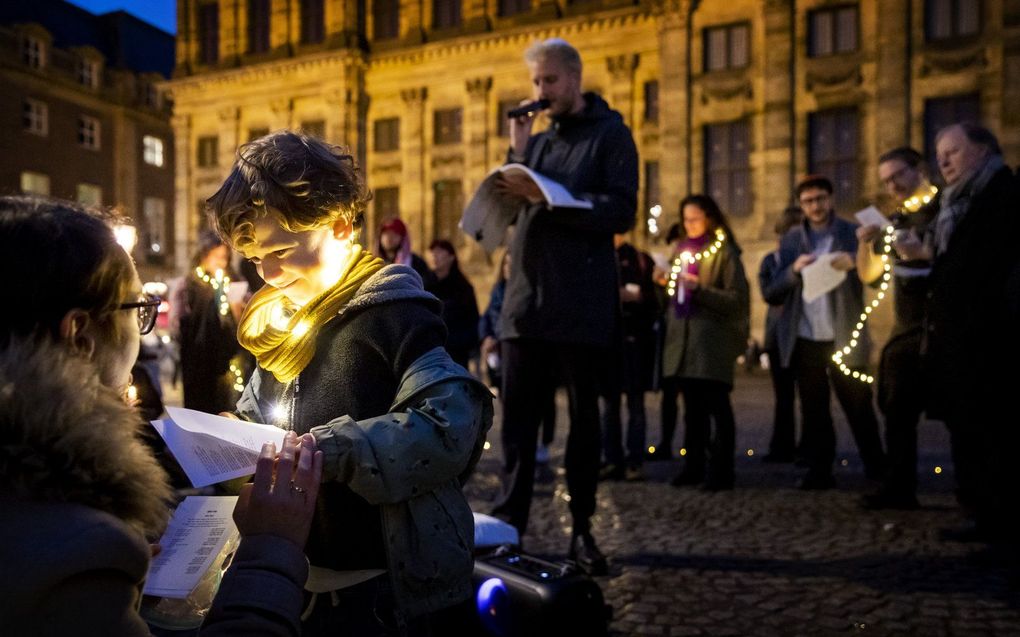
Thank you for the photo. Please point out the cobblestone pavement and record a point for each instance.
(768, 559)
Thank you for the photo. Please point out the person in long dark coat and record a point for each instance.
(206, 330)
(460, 308)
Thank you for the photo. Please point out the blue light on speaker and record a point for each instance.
(493, 602)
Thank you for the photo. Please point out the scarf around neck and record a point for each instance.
(285, 351)
(956, 200)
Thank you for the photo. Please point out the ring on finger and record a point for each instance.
(297, 489)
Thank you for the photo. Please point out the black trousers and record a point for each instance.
(816, 373)
(625, 380)
(901, 396)
(783, 441)
(527, 364)
(705, 402)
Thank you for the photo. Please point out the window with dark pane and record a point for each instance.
(513, 7)
(387, 134)
(447, 126)
(313, 27)
(208, 151)
(727, 47)
(445, 14)
(832, 152)
(208, 33)
(502, 121)
(258, 26)
(448, 206)
(385, 19)
(653, 192)
(257, 132)
(948, 19)
(940, 112)
(832, 31)
(652, 101)
(728, 166)
(386, 202)
(314, 128)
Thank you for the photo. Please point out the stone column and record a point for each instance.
(229, 134)
(183, 191)
(621, 92)
(283, 113)
(673, 111)
(413, 189)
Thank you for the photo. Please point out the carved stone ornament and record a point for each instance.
(414, 96)
(842, 77)
(479, 86)
(621, 66)
(953, 61)
(722, 89)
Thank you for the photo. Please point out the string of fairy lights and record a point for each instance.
(220, 283)
(913, 204)
(684, 259)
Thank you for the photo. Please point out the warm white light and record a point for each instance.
(126, 236)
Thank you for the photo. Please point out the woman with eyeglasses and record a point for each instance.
(81, 496)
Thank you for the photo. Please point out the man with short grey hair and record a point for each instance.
(970, 340)
(562, 305)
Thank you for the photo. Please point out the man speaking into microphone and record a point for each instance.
(561, 309)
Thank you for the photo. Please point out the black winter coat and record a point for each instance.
(564, 286)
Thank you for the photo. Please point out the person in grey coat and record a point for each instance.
(808, 333)
(706, 329)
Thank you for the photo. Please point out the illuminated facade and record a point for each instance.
(735, 97)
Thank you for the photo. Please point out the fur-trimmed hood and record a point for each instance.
(66, 438)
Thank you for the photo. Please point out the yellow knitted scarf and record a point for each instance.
(286, 351)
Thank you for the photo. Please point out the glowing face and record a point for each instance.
(300, 264)
(899, 179)
(957, 156)
(553, 81)
(695, 221)
(817, 206)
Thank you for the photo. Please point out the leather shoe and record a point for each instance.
(587, 555)
(611, 472)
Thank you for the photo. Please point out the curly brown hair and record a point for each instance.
(305, 181)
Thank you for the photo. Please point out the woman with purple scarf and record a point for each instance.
(707, 323)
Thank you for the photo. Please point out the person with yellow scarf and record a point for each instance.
(351, 350)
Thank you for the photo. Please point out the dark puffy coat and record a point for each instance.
(564, 284)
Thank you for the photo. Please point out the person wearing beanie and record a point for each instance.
(394, 246)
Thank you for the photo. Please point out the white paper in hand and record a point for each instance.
(197, 532)
(870, 216)
(819, 277)
(213, 449)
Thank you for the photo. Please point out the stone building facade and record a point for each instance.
(736, 98)
(83, 117)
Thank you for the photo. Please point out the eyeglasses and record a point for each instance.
(148, 310)
(896, 175)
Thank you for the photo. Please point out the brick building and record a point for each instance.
(83, 118)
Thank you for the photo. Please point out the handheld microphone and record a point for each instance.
(528, 109)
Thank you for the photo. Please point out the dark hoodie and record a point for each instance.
(564, 283)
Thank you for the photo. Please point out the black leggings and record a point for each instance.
(704, 401)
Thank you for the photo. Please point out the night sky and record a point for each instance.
(161, 13)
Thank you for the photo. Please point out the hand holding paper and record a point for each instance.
(819, 277)
(213, 449)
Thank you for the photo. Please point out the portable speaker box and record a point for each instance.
(521, 595)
